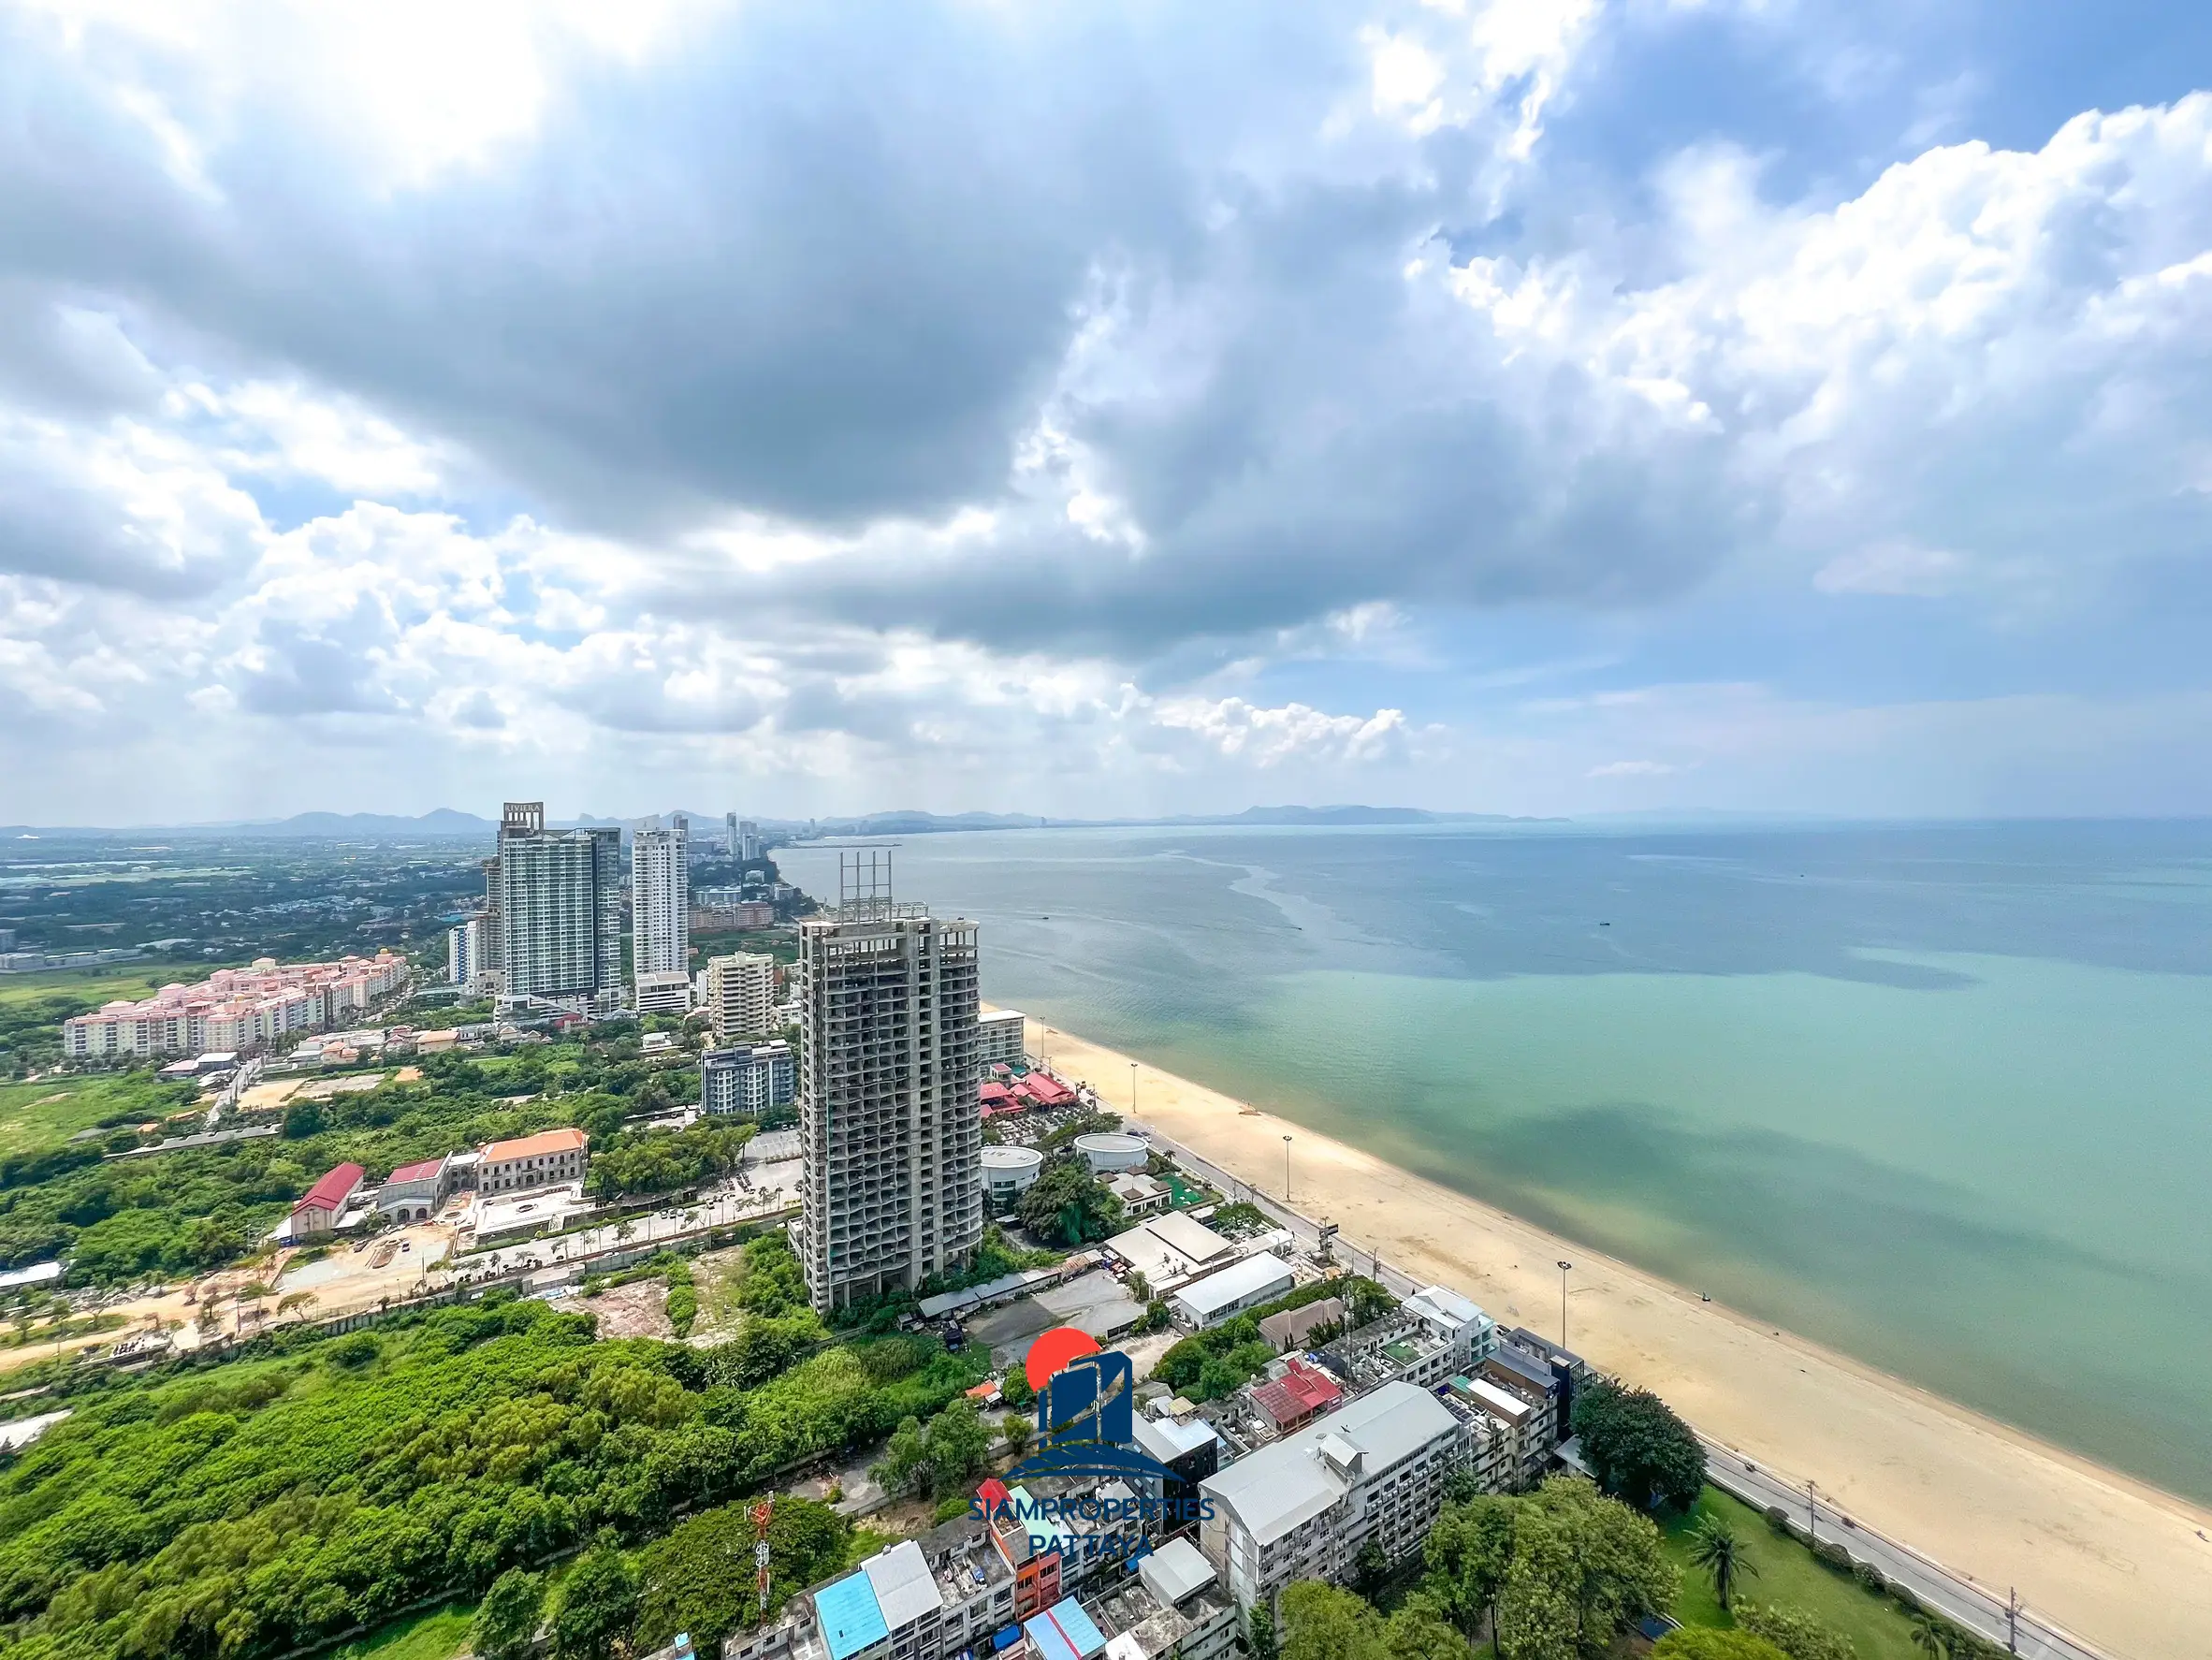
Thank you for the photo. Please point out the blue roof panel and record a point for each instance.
(849, 1616)
(1065, 1632)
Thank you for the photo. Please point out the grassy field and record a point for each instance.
(91, 987)
(436, 1634)
(35, 1116)
(1789, 1575)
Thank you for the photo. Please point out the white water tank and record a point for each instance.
(1112, 1150)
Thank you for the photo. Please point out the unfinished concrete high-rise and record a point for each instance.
(891, 1127)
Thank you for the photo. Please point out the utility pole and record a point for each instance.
(762, 1513)
(1812, 1514)
(2012, 1621)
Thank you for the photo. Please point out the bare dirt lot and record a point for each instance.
(634, 1310)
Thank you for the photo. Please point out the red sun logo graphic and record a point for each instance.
(1053, 1350)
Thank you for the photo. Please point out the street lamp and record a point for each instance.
(1285, 1170)
(1132, 1089)
(1563, 1274)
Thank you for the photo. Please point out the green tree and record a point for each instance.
(1068, 1205)
(1584, 1568)
(1371, 1570)
(1713, 1549)
(1018, 1432)
(1323, 1623)
(1259, 1633)
(1422, 1629)
(1636, 1447)
(1931, 1638)
(1795, 1633)
(598, 1604)
(938, 1457)
(507, 1620)
(1015, 1390)
(960, 1445)
(1703, 1642)
(1468, 1552)
(699, 1577)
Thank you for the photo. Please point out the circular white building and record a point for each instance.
(1008, 1173)
(1110, 1150)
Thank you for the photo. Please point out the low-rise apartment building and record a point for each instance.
(1173, 1610)
(1307, 1506)
(240, 1009)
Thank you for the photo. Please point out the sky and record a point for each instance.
(1548, 406)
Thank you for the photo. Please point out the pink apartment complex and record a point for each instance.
(235, 1009)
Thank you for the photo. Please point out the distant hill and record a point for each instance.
(447, 821)
(443, 821)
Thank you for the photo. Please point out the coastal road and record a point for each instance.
(1943, 1590)
(1955, 1595)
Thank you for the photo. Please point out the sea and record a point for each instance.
(1939, 1096)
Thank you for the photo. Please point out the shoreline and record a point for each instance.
(2102, 1554)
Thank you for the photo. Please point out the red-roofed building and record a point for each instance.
(1002, 1103)
(412, 1193)
(1047, 1091)
(318, 1212)
(1302, 1394)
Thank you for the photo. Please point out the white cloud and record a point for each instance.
(1894, 567)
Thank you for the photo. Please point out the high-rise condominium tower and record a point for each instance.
(660, 900)
(559, 910)
(890, 1127)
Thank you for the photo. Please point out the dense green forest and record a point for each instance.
(186, 1213)
(310, 1485)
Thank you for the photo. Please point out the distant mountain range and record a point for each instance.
(446, 822)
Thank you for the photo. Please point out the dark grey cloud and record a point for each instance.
(829, 264)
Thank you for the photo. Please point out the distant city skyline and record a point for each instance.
(1529, 406)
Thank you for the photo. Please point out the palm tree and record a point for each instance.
(1930, 1638)
(1713, 1548)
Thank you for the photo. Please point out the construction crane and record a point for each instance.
(760, 1513)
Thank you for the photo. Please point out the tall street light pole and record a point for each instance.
(1132, 1089)
(1285, 1170)
(1563, 1274)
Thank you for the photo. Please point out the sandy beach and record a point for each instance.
(2115, 1561)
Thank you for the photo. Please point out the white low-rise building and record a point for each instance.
(1170, 1248)
(1008, 1173)
(1306, 1507)
(1141, 1195)
(1223, 1296)
(665, 991)
(1000, 1037)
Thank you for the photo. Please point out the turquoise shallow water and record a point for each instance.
(1940, 1097)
